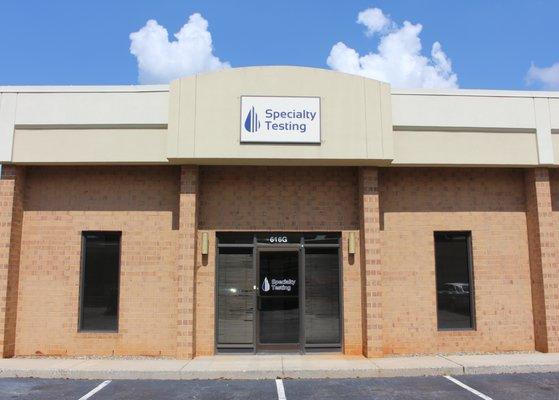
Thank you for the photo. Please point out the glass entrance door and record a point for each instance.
(278, 292)
(278, 300)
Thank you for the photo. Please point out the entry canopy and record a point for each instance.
(288, 114)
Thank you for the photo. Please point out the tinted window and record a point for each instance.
(322, 238)
(100, 282)
(235, 238)
(322, 295)
(454, 289)
(235, 296)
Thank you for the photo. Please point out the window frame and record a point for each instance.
(470, 266)
(84, 235)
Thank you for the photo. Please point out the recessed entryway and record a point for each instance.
(278, 292)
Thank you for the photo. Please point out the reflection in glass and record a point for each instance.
(100, 282)
(235, 296)
(453, 281)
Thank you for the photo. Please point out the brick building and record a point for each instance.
(277, 209)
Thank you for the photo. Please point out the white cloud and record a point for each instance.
(374, 19)
(160, 61)
(398, 59)
(546, 77)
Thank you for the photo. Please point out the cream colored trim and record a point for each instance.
(90, 145)
(475, 93)
(465, 148)
(442, 128)
(186, 143)
(386, 122)
(92, 108)
(8, 106)
(281, 161)
(196, 120)
(355, 115)
(89, 126)
(173, 118)
(543, 131)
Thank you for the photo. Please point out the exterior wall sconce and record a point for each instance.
(351, 243)
(205, 244)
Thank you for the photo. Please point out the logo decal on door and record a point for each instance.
(265, 285)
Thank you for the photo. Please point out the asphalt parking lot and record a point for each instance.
(509, 387)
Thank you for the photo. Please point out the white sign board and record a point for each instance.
(280, 119)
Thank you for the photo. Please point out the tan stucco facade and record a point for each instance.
(164, 166)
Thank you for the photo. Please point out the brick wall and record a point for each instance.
(278, 198)
(12, 182)
(158, 209)
(205, 297)
(186, 268)
(541, 240)
(550, 265)
(371, 271)
(352, 296)
(143, 202)
(490, 203)
(61, 202)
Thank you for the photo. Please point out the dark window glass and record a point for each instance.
(321, 238)
(235, 238)
(279, 320)
(322, 296)
(278, 300)
(235, 278)
(100, 282)
(454, 289)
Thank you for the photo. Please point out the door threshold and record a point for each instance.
(280, 352)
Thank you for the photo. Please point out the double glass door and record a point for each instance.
(278, 293)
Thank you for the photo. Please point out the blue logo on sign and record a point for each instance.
(252, 124)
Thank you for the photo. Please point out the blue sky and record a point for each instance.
(491, 43)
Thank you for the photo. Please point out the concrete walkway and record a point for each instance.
(273, 366)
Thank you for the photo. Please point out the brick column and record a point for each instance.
(12, 181)
(188, 204)
(544, 269)
(370, 261)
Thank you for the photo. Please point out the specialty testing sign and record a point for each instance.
(278, 119)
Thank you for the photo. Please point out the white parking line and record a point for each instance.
(469, 389)
(281, 389)
(99, 387)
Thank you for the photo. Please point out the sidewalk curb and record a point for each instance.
(270, 374)
(395, 373)
(510, 369)
(330, 374)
